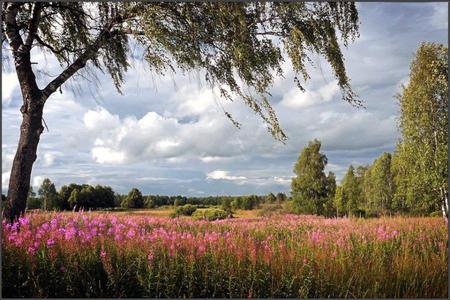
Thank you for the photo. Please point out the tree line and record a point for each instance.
(77, 196)
(413, 179)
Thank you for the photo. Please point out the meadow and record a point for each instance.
(93, 254)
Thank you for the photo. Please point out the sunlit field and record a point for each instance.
(137, 255)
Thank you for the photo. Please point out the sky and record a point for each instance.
(169, 135)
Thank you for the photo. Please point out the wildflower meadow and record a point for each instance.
(92, 254)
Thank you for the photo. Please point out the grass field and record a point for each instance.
(165, 211)
(145, 254)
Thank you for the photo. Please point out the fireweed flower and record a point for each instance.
(288, 240)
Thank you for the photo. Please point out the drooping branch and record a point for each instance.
(81, 61)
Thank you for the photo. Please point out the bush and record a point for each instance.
(270, 209)
(436, 214)
(185, 210)
(210, 214)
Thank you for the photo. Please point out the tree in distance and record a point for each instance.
(133, 200)
(309, 188)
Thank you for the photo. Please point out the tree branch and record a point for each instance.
(81, 61)
(33, 27)
(12, 30)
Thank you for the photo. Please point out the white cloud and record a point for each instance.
(209, 159)
(7, 160)
(49, 159)
(107, 155)
(223, 175)
(285, 180)
(5, 179)
(37, 181)
(295, 98)
(100, 118)
(10, 84)
(194, 102)
(154, 136)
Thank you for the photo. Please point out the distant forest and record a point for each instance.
(76, 196)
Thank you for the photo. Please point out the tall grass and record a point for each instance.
(102, 255)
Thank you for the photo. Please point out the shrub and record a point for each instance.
(185, 210)
(210, 214)
(270, 209)
(436, 214)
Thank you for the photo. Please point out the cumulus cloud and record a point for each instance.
(154, 137)
(295, 98)
(10, 84)
(49, 158)
(223, 175)
(37, 181)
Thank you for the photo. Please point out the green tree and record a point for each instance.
(65, 193)
(104, 196)
(134, 199)
(351, 192)
(236, 203)
(74, 199)
(421, 154)
(379, 184)
(339, 202)
(226, 204)
(270, 198)
(309, 187)
(239, 46)
(329, 207)
(48, 194)
(400, 179)
(149, 201)
(281, 197)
